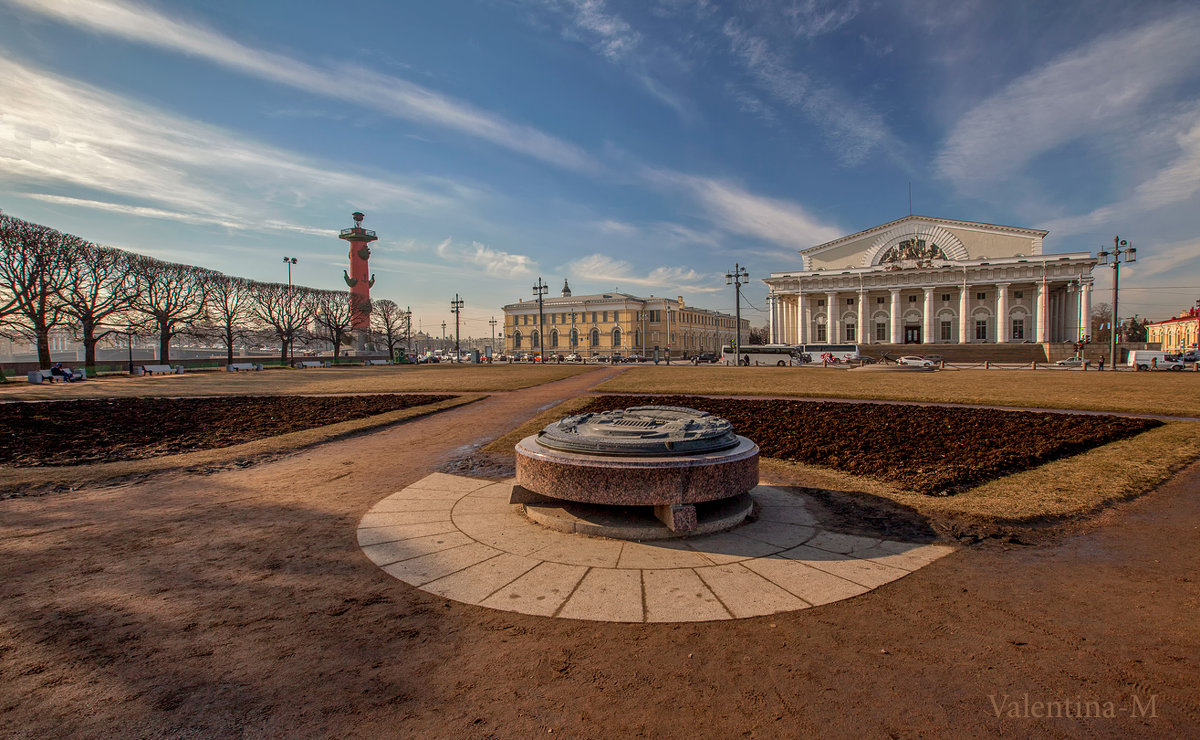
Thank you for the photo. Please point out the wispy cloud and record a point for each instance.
(186, 218)
(733, 209)
(852, 130)
(494, 262)
(56, 132)
(1100, 88)
(600, 268)
(388, 94)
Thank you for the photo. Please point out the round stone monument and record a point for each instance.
(648, 472)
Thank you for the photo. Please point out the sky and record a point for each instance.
(646, 146)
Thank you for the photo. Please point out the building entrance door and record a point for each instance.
(912, 335)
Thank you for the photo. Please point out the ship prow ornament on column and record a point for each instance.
(359, 279)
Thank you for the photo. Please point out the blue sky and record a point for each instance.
(644, 145)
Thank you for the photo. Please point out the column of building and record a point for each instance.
(864, 336)
(1040, 311)
(927, 322)
(964, 306)
(804, 310)
(831, 318)
(1085, 310)
(896, 323)
(1002, 323)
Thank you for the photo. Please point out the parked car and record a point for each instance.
(935, 359)
(710, 357)
(914, 361)
(1145, 359)
(1192, 355)
(1072, 362)
(573, 357)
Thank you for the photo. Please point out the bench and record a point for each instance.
(234, 367)
(311, 363)
(377, 362)
(47, 376)
(163, 369)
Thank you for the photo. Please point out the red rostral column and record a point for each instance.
(357, 277)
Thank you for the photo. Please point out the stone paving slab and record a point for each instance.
(460, 539)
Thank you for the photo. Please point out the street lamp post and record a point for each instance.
(1121, 252)
(492, 323)
(540, 290)
(289, 261)
(456, 308)
(736, 279)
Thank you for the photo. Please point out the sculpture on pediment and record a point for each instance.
(913, 250)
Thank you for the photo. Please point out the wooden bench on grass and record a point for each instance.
(234, 367)
(303, 364)
(48, 376)
(377, 362)
(159, 369)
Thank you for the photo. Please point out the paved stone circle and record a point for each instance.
(459, 538)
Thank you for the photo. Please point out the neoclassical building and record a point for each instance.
(1176, 334)
(604, 324)
(920, 280)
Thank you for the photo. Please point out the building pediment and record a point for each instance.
(923, 241)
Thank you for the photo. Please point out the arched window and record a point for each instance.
(574, 339)
(595, 337)
(534, 340)
(616, 337)
(637, 338)
(554, 338)
(516, 340)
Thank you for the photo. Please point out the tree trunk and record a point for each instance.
(43, 345)
(283, 352)
(89, 347)
(229, 346)
(164, 343)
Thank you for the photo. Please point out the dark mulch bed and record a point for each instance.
(928, 449)
(107, 430)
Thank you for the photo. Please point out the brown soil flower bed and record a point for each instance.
(107, 430)
(927, 449)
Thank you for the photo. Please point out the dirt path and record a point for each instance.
(239, 603)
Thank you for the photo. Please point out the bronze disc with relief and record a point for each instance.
(642, 431)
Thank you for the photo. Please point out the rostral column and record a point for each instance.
(357, 277)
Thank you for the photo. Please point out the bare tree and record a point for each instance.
(229, 301)
(33, 273)
(335, 313)
(1101, 318)
(288, 310)
(172, 297)
(392, 323)
(102, 284)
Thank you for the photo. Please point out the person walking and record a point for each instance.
(1101, 362)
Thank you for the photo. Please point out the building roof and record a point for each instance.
(947, 221)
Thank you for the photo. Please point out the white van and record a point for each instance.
(1147, 359)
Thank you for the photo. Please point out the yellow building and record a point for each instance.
(605, 324)
(1176, 334)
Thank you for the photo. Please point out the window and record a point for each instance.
(849, 301)
(595, 338)
(880, 331)
(593, 317)
(616, 336)
(1018, 328)
(553, 318)
(574, 339)
(533, 340)
(945, 297)
(604, 317)
(912, 299)
(1018, 294)
(981, 296)
(616, 316)
(981, 329)
(820, 301)
(516, 340)
(820, 332)
(947, 331)
(851, 333)
(880, 300)
(554, 339)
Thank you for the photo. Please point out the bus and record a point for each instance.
(830, 352)
(782, 355)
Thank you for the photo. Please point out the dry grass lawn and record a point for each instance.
(1065, 489)
(15, 481)
(1171, 394)
(446, 378)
